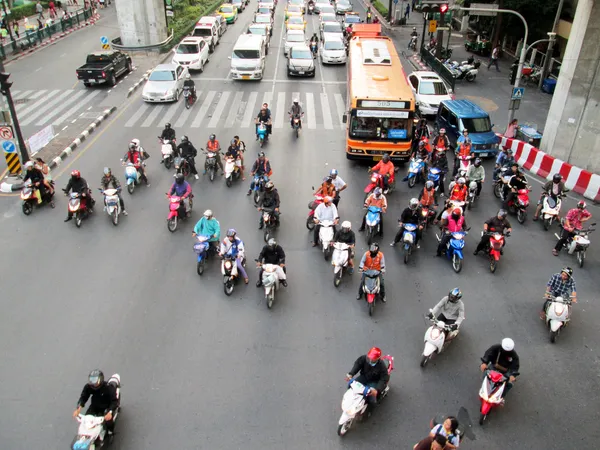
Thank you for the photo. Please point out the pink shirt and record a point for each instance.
(575, 215)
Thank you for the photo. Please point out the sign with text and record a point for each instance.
(488, 6)
(432, 26)
(382, 114)
(40, 139)
(383, 104)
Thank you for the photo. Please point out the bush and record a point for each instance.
(20, 12)
(382, 9)
(187, 14)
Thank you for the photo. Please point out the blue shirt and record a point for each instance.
(560, 288)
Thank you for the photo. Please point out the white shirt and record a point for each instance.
(226, 246)
(338, 183)
(439, 429)
(324, 212)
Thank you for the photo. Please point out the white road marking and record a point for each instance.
(203, 109)
(326, 112)
(310, 118)
(76, 107)
(186, 112)
(236, 108)
(340, 107)
(281, 111)
(137, 115)
(249, 113)
(24, 109)
(153, 115)
(216, 115)
(47, 105)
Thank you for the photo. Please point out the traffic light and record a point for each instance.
(4, 83)
(513, 73)
(434, 6)
(443, 7)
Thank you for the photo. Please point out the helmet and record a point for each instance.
(231, 232)
(233, 142)
(414, 28)
(208, 214)
(557, 178)
(95, 379)
(457, 212)
(454, 295)
(295, 101)
(346, 225)
(442, 131)
(187, 76)
(422, 144)
(413, 203)
(468, 141)
(75, 174)
(509, 151)
(261, 154)
(374, 248)
(465, 131)
(502, 213)
(333, 173)
(28, 165)
(327, 200)
(179, 178)
(461, 181)
(328, 180)
(107, 171)
(168, 125)
(131, 146)
(386, 158)
(477, 162)
(377, 191)
(508, 345)
(429, 184)
(272, 243)
(269, 186)
(136, 142)
(212, 137)
(568, 271)
(581, 205)
(184, 139)
(373, 355)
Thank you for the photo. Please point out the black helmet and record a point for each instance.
(261, 154)
(386, 158)
(477, 162)
(184, 139)
(374, 248)
(212, 137)
(502, 213)
(557, 178)
(454, 295)
(168, 125)
(95, 379)
(233, 142)
(269, 186)
(179, 178)
(272, 243)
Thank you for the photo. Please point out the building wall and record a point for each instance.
(572, 131)
(142, 22)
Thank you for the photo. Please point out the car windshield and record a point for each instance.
(261, 31)
(327, 9)
(262, 19)
(187, 49)
(296, 2)
(380, 129)
(296, 20)
(226, 9)
(332, 28)
(202, 32)
(352, 19)
(245, 54)
(334, 45)
(300, 53)
(236, 2)
(162, 75)
(343, 4)
(432, 88)
(295, 37)
(479, 125)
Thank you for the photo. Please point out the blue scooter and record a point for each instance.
(454, 249)
(259, 186)
(409, 239)
(373, 223)
(201, 247)
(415, 172)
(261, 132)
(434, 175)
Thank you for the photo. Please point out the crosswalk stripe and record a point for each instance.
(38, 112)
(153, 115)
(235, 110)
(340, 107)
(216, 115)
(83, 102)
(280, 111)
(203, 109)
(168, 115)
(136, 116)
(23, 110)
(310, 119)
(60, 107)
(18, 95)
(327, 122)
(37, 94)
(186, 113)
(249, 112)
(267, 98)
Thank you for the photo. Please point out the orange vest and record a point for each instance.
(441, 142)
(427, 197)
(464, 150)
(458, 193)
(373, 263)
(213, 145)
(327, 190)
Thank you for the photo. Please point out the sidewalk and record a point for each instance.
(31, 23)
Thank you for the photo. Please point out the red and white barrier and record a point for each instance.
(544, 165)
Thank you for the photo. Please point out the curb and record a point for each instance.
(417, 60)
(10, 187)
(133, 88)
(382, 20)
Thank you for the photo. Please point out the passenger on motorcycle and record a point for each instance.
(412, 215)
(135, 156)
(476, 173)
(459, 191)
(345, 235)
(233, 246)
(437, 442)
(385, 168)
(560, 285)
(109, 179)
(36, 177)
(272, 253)
(234, 151)
(325, 211)
(455, 223)
(260, 168)
(373, 374)
(295, 111)
(573, 222)
(78, 184)
(504, 159)
(464, 150)
(189, 84)
(500, 224)
(339, 185)
(104, 399)
(373, 259)
(264, 116)
(376, 198)
(213, 145)
(504, 359)
(439, 159)
(450, 309)
(269, 200)
(187, 151)
(514, 185)
(169, 134)
(428, 196)
(448, 430)
(327, 188)
(209, 226)
(555, 188)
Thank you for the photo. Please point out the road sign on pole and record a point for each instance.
(106, 47)
(517, 93)
(6, 132)
(432, 26)
(9, 147)
(514, 105)
(104, 40)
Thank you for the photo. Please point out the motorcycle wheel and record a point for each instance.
(212, 174)
(482, 418)
(424, 361)
(547, 224)
(327, 253)
(498, 190)
(228, 288)
(187, 104)
(521, 216)
(470, 77)
(270, 300)
(115, 217)
(261, 142)
(407, 252)
(266, 234)
(581, 257)
(344, 428)
(172, 224)
(297, 132)
(228, 182)
(492, 264)
(78, 220)
(411, 182)
(456, 263)
(370, 235)
(256, 197)
(168, 163)
(469, 205)
(310, 224)
(200, 267)
(553, 336)
(371, 308)
(130, 188)
(337, 278)
(27, 208)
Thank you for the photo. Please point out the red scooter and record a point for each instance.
(490, 394)
(494, 248)
(177, 211)
(377, 181)
(520, 204)
(310, 223)
(78, 206)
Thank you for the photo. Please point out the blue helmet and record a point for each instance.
(333, 173)
(455, 295)
(231, 232)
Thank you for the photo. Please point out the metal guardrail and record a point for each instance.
(438, 67)
(116, 44)
(33, 38)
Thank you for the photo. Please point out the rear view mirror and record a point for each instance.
(345, 118)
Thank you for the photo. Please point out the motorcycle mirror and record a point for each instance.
(594, 224)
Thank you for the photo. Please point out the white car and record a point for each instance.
(429, 90)
(331, 28)
(192, 52)
(262, 30)
(333, 49)
(342, 6)
(165, 83)
(321, 4)
(326, 9)
(293, 38)
(265, 19)
(328, 17)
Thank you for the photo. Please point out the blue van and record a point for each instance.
(457, 115)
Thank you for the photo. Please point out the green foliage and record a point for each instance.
(187, 14)
(381, 8)
(539, 15)
(20, 12)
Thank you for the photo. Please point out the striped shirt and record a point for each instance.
(560, 288)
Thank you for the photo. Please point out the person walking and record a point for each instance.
(369, 14)
(16, 28)
(40, 10)
(511, 129)
(407, 12)
(52, 10)
(494, 58)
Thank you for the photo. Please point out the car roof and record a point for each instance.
(301, 47)
(192, 40)
(332, 37)
(426, 75)
(169, 66)
(263, 14)
(226, 4)
(258, 25)
(337, 24)
(295, 31)
(465, 108)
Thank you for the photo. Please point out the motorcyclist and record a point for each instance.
(375, 198)
(373, 259)
(109, 179)
(187, 151)
(440, 160)
(36, 177)
(78, 184)
(235, 151)
(412, 215)
(421, 152)
(555, 188)
(189, 84)
(314, 38)
(208, 226)
(428, 196)
(465, 150)
(213, 145)
(441, 140)
(476, 173)
(560, 285)
(272, 253)
(421, 131)
(455, 223)
(504, 359)
(450, 309)
(135, 156)
(504, 159)
(169, 134)
(574, 221)
(515, 184)
(459, 191)
(325, 211)
(233, 246)
(327, 188)
(373, 374)
(339, 185)
(295, 111)
(385, 168)
(260, 168)
(345, 235)
(499, 224)
(269, 200)
(104, 399)
(264, 116)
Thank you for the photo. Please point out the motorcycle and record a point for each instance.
(210, 164)
(372, 288)
(494, 248)
(188, 97)
(409, 238)
(78, 206)
(428, 216)
(314, 48)
(354, 403)
(551, 209)
(310, 220)
(261, 131)
(464, 162)
(557, 315)
(311, 8)
(437, 337)
(467, 71)
(178, 211)
(132, 177)
(259, 186)
(91, 434)
(297, 123)
(202, 248)
(29, 195)
(270, 282)
(434, 174)
(269, 221)
(519, 206)
(412, 45)
(166, 150)
(112, 205)
(376, 180)
(415, 172)
(454, 249)
(232, 170)
(326, 233)
(373, 223)
(182, 166)
(490, 394)
(230, 272)
(339, 261)
(472, 194)
(579, 243)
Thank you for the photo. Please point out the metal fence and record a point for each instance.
(32, 38)
(438, 67)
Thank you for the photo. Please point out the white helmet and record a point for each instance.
(28, 165)
(295, 99)
(508, 344)
(136, 142)
(208, 213)
(461, 181)
(346, 224)
(187, 76)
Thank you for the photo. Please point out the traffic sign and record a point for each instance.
(104, 40)
(395, 2)
(6, 132)
(432, 26)
(9, 147)
(443, 28)
(517, 93)
(105, 46)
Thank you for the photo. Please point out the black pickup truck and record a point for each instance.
(104, 67)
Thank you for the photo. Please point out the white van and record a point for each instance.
(248, 58)
(207, 28)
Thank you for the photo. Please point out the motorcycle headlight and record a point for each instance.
(228, 265)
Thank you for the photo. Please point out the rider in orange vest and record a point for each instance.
(213, 146)
(428, 196)
(459, 190)
(385, 167)
(465, 150)
(327, 189)
(372, 260)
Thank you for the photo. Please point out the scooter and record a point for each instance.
(179, 209)
(259, 187)
(270, 282)
(409, 238)
(371, 288)
(132, 177)
(326, 233)
(467, 72)
(310, 220)
(232, 170)
(269, 223)
(91, 434)
(297, 123)
(579, 244)
(464, 162)
(78, 206)
(437, 337)
(261, 132)
(428, 216)
(230, 272)
(112, 205)
(551, 210)
(339, 261)
(210, 164)
(412, 45)
(314, 48)
(415, 172)
(354, 403)
(472, 194)
(519, 205)
(454, 249)
(494, 248)
(311, 9)
(490, 394)
(557, 315)
(376, 180)
(29, 195)
(166, 149)
(434, 174)
(188, 97)
(181, 166)
(373, 223)
(202, 249)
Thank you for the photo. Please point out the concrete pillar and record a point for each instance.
(572, 130)
(464, 23)
(141, 22)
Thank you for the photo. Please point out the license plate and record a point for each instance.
(301, 72)
(245, 77)
(92, 81)
(483, 155)
(377, 158)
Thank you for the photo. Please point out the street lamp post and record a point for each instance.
(5, 90)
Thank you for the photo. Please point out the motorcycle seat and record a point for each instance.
(551, 202)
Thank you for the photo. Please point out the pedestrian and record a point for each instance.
(16, 28)
(52, 9)
(494, 58)
(3, 34)
(432, 443)
(39, 9)
(369, 14)
(407, 12)
(511, 129)
(414, 4)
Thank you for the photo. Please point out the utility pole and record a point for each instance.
(5, 90)
(548, 57)
(440, 35)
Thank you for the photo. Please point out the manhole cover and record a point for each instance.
(21, 101)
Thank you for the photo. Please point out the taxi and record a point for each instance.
(293, 10)
(228, 12)
(295, 23)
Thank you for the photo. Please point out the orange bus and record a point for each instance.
(380, 102)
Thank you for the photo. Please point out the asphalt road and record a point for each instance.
(202, 370)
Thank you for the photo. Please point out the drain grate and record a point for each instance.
(21, 101)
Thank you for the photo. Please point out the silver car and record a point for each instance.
(165, 83)
(293, 38)
(265, 19)
(301, 62)
(342, 6)
(261, 29)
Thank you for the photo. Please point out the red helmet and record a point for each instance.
(457, 211)
(374, 355)
(75, 174)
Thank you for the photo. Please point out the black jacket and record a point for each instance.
(35, 175)
(411, 216)
(168, 133)
(264, 118)
(496, 355)
(261, 168)
(270, 255)
(270, 199)
(517, 183)
(104, 398)
(78, 185)
(549, 185)
(233, 151)
(187, 150)
(347, 237)
(373, 374)
(439, 160)
(106, 182)
(499, 225)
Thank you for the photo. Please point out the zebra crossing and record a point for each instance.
(237, 109)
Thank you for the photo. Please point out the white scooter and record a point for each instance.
(437, 337)
(558, 314)
(551, 210)
(231, 173)
(326, 236)
(339, 261)
(167, 153)
(112, 205)
(580, 243)
(270, 282)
